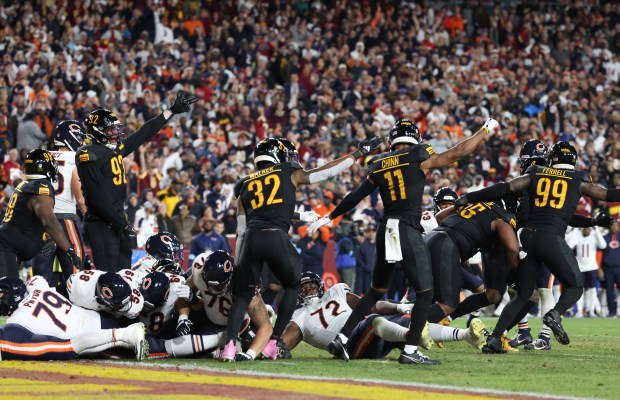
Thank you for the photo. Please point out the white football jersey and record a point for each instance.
(322, 321)
(156, 319)
(144, 264)
(82, 287)
(46, 312)
(428, 221)
(216, 307)
(63, 194)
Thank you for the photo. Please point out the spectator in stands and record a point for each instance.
(207, 240)
(191, 199)
(145, 224)
(170, 196)
(185, 224)
(312, 248)
(611, 268)
(364, 257)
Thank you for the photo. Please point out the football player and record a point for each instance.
(553, 194)
(106, 291)
(101, 170)
(29, 218)
(400, 175)
(322, 314)
(44, 325)
(164, 253)
(160, 292)
(68, 198)
(265, 208)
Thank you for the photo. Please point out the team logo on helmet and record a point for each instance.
(107, 292)
(146, 283)
(227, 266)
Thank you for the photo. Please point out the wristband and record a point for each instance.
(357, 154)
(182, 318)
(486, 129)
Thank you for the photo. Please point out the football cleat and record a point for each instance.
(229, 352)
(135, 336)
(444, 322)
(271, 349)
(521, 339)
(553, 320)
(477, 333)
(506, 345)
(283, 351)
(416, 358)
(493, 346)
(539, 344)
(338, 349)
(426, 342)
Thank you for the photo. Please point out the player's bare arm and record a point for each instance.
(507, 236)
(260, 319)
(76, 189)
(292, 335)
(43, 207)
(441, 215)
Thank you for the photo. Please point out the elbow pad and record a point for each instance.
(612, 195)
(322, 174)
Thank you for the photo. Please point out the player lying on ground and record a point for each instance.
(44, 325)
(323, 313)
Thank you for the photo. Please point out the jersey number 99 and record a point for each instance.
(556, 190)
(256, 187)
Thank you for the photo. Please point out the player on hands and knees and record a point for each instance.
(400, 177)
(265, 208)
(553, 194)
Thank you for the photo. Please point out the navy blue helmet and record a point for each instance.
(12, 292)
(444, 195)
(218, 272)
(155, 289)
(166, 248)
(113, 291)
(308, 294)
(69, 134)
(533, 152)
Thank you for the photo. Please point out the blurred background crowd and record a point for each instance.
(324, 74)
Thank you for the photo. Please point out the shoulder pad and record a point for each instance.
(425, 151)
(531, 169)
(84, 156)
(294, 165)
(238, 186)
(39, 187)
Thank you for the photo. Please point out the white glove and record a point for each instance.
(491, 125)
(522, 254)
(404, 308)
(183, 292)
(308, 216)
(317, 224)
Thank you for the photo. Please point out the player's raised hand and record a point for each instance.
(183, 102)
(491, 125)
(319, 223)
(308, 216)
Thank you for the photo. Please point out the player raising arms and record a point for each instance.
(265, 208)
(553, 194)
(400, 177)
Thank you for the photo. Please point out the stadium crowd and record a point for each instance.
(325, 75)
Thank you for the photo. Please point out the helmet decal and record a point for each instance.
(107, 292)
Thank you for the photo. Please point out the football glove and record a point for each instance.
(183, 102)
(317, 224)
(490, 125)
(461, 202)
(49, 248)
(404, 308)
(69, 260)
(131, 236)
(183, 292)
(602, 219)
(367, 146)
(308, 216)
(184, 326)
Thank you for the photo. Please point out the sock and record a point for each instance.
(419, 316)
(390, 331)
(546, 300)
(193, 344)
(440, 333)
(157, 347)
(360, 311)
(269, 295)
(524, 326)
(510, 316)
(409, 348)
(435, 314)
(95, 341)
(286, 308)
(545, 332)
(472, 303)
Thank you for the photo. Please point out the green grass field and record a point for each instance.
(588, 367)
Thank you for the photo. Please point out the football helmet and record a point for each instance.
(155, 289)
(166, 248)
(40, 164)
(444, 195)
(103, 127)
(12, 292)
(563, 155)
(218, 272)
(309, 294)
(292, 154)
(404, 131)
(113, 291)
(69, 134)
(269, 150)
(533, 152)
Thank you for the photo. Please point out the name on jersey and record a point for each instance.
(390, 162)
(35, 295)
(262, 172)
(552, 171)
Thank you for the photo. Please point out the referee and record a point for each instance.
(100, 168)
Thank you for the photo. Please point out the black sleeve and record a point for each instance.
(351, 200)
(612, 195)
(146, 131)
(580, 221)
(99, 200)
(490, 193)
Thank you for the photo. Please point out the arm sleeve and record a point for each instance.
(99, 199)
(351, 200)
(612, 195)
(490, 193)
(146, 131)
(323, 173)
(580, 221)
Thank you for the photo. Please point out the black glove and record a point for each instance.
(184, 327)
(461, 202)
(183, 102)
(367, 146)
(243, 357)
(49, 248)
(602, 219)
(131, 236)
(68, 260)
